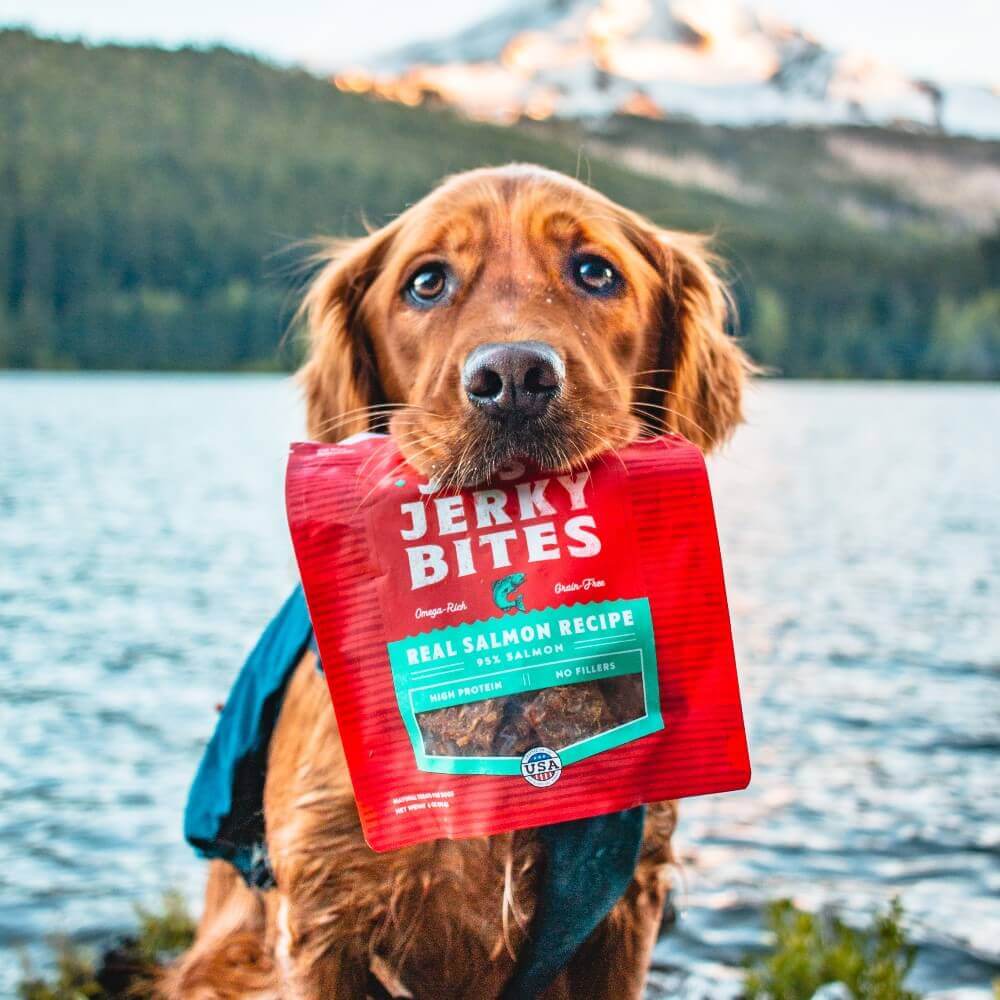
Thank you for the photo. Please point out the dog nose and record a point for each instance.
(517, 379)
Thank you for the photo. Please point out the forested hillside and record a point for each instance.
(148, 198)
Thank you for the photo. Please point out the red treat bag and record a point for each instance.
(541, 648)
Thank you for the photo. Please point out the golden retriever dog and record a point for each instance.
(513, 312)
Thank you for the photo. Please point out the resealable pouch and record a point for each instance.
(543, 647)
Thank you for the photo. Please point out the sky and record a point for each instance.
(948, 40)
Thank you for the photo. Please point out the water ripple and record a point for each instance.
(144, 547)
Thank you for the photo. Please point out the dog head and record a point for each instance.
(515, 313)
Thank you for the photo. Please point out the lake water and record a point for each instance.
(143, 547)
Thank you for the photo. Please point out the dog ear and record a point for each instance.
(700, 369)
(340, 377)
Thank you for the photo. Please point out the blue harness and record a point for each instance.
(588, 863)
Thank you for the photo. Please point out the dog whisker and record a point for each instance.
(683, 416)
(396, 439)
(663, 390)
(379, 410)
(668, 390)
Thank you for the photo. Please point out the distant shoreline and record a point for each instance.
(148, 228)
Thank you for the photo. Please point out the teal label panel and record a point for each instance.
(522, 652)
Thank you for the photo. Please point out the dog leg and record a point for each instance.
(315, 964)
(323, 869)
(229, 958)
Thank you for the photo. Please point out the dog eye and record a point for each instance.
(596, 275)
(428, 284)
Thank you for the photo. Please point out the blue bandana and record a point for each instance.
(588, 863)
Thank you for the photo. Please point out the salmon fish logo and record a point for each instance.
(505, 596)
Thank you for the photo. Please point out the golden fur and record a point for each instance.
(446, 919)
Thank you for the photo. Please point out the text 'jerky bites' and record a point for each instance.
(542, 648)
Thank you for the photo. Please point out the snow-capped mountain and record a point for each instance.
(714, 60)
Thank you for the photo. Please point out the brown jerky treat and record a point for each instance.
(555, 717)
(625, 697)
(462, 730)
(568, 714)
(515, 734)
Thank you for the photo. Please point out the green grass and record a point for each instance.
(74, 978)
(125, 969)
(812, 950)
